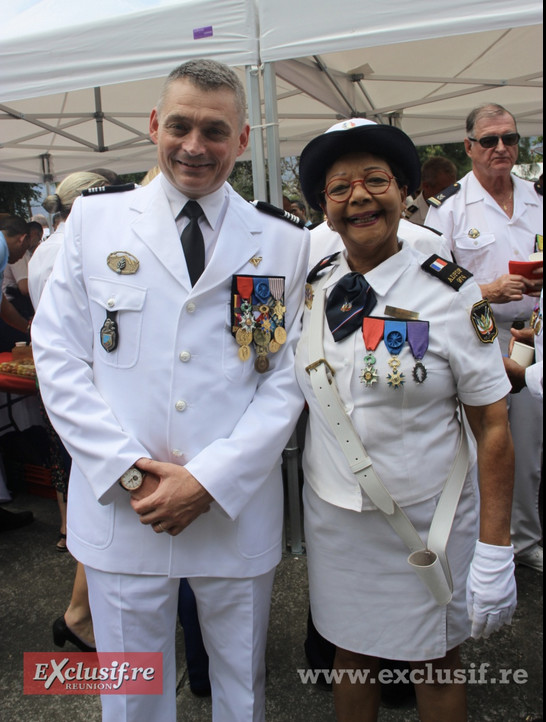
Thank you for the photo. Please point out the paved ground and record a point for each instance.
(36, 581)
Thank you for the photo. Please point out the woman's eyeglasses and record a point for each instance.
(376, 182)
(491, 141)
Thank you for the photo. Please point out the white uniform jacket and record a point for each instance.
(174, 389)
(483, 239)
(411, 433)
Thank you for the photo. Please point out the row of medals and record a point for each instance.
(369, 374)
(264, 340)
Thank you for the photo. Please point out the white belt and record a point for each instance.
(430, 563)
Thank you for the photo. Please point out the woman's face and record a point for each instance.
(367, 223)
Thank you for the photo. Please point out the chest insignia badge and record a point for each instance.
(122, 262)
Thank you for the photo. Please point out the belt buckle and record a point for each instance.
(316, 364)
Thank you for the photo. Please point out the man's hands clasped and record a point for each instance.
(170, 498)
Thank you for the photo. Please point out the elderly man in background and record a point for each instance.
(491, 217)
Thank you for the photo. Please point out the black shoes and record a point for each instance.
(62, 633)
(14, 519)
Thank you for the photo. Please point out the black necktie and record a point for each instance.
(192, 241)
(351, 299)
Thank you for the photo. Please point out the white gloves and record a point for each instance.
(491, 589)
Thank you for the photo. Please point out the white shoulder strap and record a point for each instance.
(430, 563)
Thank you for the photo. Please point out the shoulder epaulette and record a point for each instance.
(109, 189)
(437, 200)
(410, 210)
(538, 187)
(321, 265)
(434, 230)
(446, 271)
(278, 213)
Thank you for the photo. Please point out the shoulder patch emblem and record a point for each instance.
(446, 271)
(278, 212)
(483, 321)
(437, 200)
(109, 189)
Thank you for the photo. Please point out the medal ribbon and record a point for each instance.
(418, 338)
(245, 284)
(261, 289)
(394, 336)
(372, 332)
(276, 286)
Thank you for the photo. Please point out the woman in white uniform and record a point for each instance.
(392, 341)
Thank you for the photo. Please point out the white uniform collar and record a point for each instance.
(476, 193)
(212, 204)
(381, 278)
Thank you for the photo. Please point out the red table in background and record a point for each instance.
(16, 389)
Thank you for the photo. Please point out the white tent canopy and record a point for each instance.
(78, 82)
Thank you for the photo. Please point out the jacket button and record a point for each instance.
(184, 356)
(180, 405)
(190, 308)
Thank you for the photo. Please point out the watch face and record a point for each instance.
(132, 479)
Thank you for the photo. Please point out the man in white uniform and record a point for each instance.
(491, 217)
(175, 394)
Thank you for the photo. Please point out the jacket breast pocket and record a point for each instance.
(124, 304)
(476, 254)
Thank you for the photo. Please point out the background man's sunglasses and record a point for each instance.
(491, 141)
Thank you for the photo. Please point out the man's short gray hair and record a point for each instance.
(208, 75)
(483, 111)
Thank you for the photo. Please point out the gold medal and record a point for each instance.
(261, 337)
(279, 310)
(308, 295)
(244, 353)
(243, 337)
(280, 335)
(274, 346)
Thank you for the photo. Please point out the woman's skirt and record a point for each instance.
(364, 595)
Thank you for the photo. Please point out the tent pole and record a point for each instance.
(272, 135)
(256, 134)
(47, 177)
(291, 451)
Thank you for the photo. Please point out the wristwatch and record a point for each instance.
(132, 479)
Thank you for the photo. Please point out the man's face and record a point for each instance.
(441, 182)
(198, 136)
(497, 161)
(35, 237)
(17, 246)
(297, 211)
